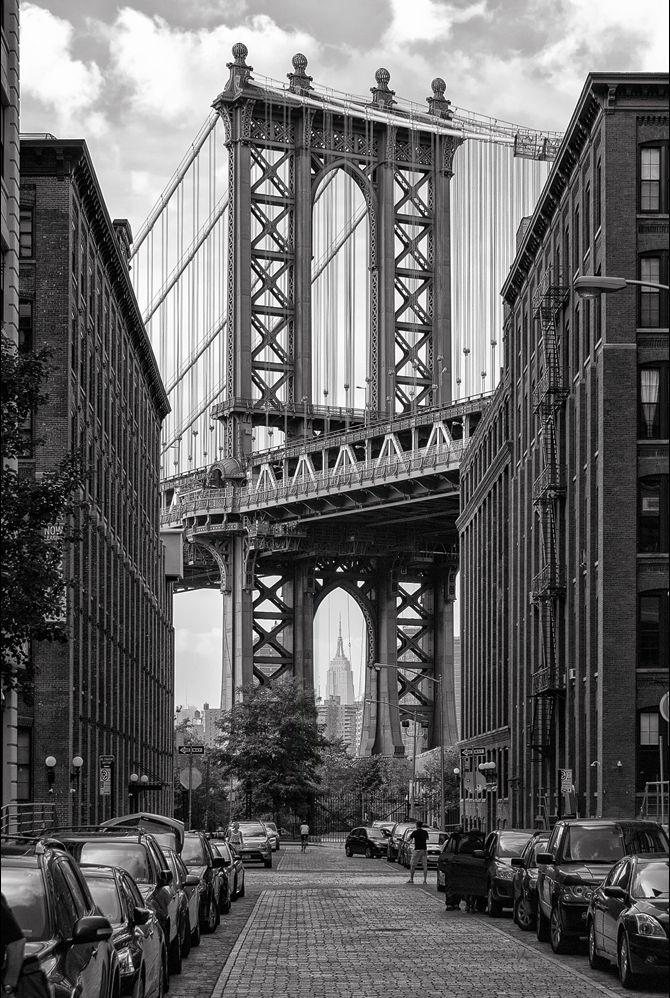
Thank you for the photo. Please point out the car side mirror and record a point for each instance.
(615, 892)
(478, 854)
(517, 861)
(91, 929)
(165, 877)
(192, 880)
(141, 915)
(543, 858)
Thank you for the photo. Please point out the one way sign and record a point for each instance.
(191, 749)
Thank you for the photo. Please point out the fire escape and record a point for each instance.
(549, 585)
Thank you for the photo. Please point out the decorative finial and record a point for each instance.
(438, 104)
(299, 81)
(381, 94)
(240, 73)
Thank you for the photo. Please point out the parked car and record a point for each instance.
(67, 936)
(580, 853)
(457, 864)
(370, 842)
(255, 843)
(433, 847)
(168, 832)
(233, 866)
(188, 882)
(627, 920)
(395, 837)
(140, 855)
(481, 867)
(213, 886)
(137, 937)
(273, 834)
(524, 884)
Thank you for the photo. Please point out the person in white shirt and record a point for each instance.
(304, 834)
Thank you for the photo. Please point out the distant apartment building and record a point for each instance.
(9, 286)
(202, 725)
(107, 695)
(564, 522)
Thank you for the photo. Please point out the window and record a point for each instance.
(649, 727)
(650, 298)
(648, 757)
(575, 242)
(653, 514)
(26, 247)
(23, 767)
(587, 218)
(597, 196)
(652, 630)
(653, 403)
(653, 178)
(25, 326)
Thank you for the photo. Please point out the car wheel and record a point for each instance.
(224, 904)
(369, 853)
(241, 891)
(493, 907)
(559, 943)
(626, 975)
(174, 955)
(348, 851)
(522, 914)
(195, 935)
(212, 917)
(542, 926)
(597, 962)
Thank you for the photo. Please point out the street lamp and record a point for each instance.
(77, 763)
(594, 287)
(437, 682)
(50, 764)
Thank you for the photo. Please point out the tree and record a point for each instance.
(270, 742)
(36, 522)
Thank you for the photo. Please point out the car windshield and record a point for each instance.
(24, 889)
(105, 896)
(374, 833)
(252, 828)
(651, 881)
(193, 853)
(130, 856)
(592, 843)
(167, 840)
(512, 844)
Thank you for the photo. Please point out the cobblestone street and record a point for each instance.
(324, 926)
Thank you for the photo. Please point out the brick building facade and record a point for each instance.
(564, 524)
(109, 691)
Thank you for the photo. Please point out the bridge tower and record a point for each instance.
(399, 565)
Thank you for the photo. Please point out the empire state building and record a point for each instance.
(340, 678)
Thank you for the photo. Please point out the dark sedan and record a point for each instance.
(233, 866)
(137, 937)
(370, 842)
(628, 918)
(214, 886)
(67, 938)
(524, 885)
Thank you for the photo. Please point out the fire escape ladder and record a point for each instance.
(549, 585)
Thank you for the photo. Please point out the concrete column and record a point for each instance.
(237, 626)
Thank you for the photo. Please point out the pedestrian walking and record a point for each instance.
(235, 836)
(420, 854)
(304, 835)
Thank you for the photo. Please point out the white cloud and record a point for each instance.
(50, 74)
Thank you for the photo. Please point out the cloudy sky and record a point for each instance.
(136, 81)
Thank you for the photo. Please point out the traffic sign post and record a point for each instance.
(191, 749)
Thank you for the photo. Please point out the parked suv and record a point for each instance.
(255, 843)
(579, 855)
(140, 855)
(67, 937)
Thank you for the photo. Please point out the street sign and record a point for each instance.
(191, 749)
(566, 780)
(106, 765)
(190, 778)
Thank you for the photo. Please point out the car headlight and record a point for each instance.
(504, 872)
(647, 925)
(578, 892)
(125, 961)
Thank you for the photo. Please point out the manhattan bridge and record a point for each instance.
(319, 280)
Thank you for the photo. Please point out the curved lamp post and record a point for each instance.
(594, 287)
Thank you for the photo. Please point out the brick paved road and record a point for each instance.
(320, 925)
